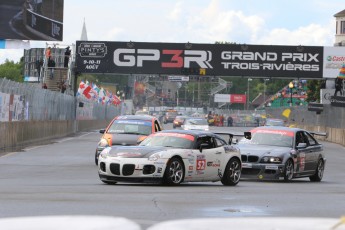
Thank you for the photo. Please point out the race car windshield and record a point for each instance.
(196, 122)
(130, 128)
(270, 139)
(168, 141)
(271, 122)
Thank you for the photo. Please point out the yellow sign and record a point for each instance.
(202, 71)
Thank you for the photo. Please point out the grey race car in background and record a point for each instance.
(281, 153)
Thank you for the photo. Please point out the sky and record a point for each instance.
(257, 22)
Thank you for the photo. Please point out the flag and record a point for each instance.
(95, 90)
(81, 88)
(116, 100)
(101, 95)
(86, 92)
(286, 113)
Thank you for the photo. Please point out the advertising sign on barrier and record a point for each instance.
(230, 98)
(338, 101)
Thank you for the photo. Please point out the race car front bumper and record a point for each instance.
(262, 171)
(131, 170)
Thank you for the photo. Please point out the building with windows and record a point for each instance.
(340, 28)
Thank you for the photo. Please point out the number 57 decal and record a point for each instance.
(200, 164)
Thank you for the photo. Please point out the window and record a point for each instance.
(311, 140)
(220, 142)
(205, 140)
(300, 138)
(342, 27)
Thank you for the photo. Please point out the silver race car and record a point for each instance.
(272, 152)
(172, 157)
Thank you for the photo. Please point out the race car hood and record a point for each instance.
(262, 150)
(134, 151)
(124, 139)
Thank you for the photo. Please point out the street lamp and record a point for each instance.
(291, 87)
(249, 79)
(265, 90)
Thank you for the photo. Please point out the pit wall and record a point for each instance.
(15, 136)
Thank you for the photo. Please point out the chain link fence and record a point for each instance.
(23, 101)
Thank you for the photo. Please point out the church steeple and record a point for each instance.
(84, 33)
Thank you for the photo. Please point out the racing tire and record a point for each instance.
(288, 172)
(232, 173)
(317, 177)
(174, 172)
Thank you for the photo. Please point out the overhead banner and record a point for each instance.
(199, 59)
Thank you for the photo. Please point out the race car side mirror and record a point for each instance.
(102, 131)
(203, 146)
(248, 135)
(301, 145)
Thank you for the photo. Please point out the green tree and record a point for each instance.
(313, 91)
(12, 71)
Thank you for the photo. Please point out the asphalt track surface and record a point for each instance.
(61, 179)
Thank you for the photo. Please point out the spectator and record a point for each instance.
(48, 53)
(44, 86)
(51, 66)
(230, 121)
(62, 86)
(221, 120)
(338, 86)
(67, 56)
(38, 4)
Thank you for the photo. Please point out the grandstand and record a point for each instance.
(286, 97)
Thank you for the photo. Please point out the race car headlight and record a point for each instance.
(105, 152)
(274, 160)
(154, 157)
(103, 143)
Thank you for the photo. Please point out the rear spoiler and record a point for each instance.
(246, 135)
(324, 134)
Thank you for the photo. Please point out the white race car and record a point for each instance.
(171, 157)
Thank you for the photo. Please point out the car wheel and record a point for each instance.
(288, 173)
(232, 172)
(174, 172)
(318, 172)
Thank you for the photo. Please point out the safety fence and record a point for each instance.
(30, 114)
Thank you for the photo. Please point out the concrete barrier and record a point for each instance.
(15, 136)
(334, 135)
